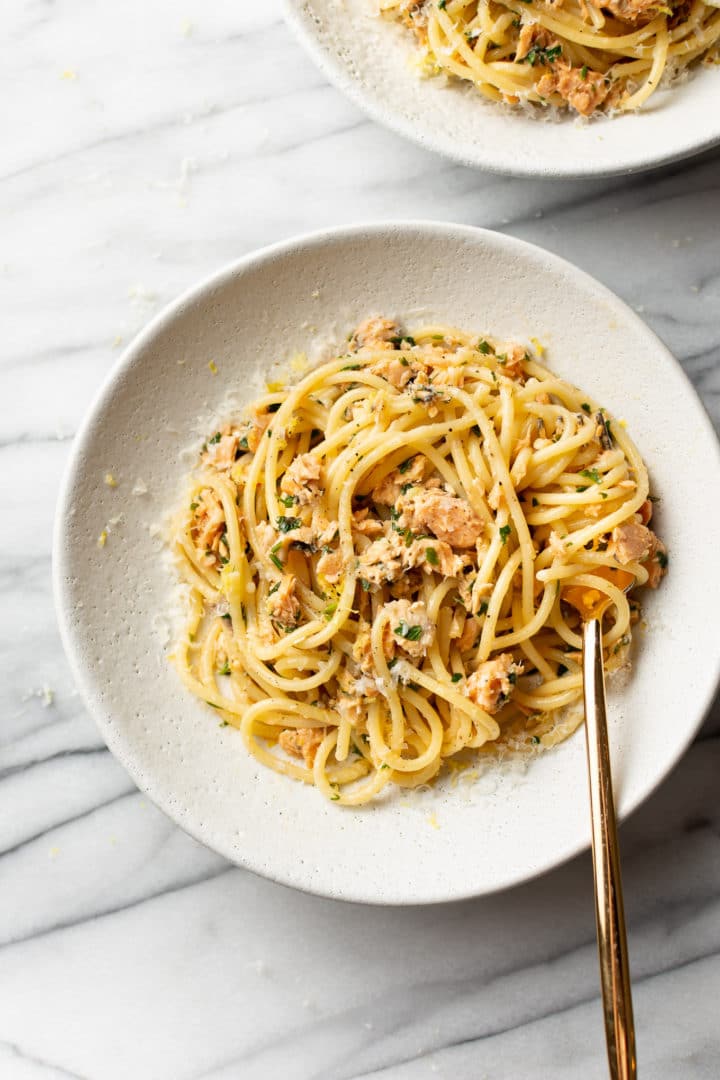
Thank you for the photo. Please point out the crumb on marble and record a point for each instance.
(110, 480)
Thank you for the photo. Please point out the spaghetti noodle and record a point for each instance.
(588, 55)
(376, 557)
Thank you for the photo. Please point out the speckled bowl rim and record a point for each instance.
(204, 288)
(493, 160)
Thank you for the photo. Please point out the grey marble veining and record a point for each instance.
(146, 145)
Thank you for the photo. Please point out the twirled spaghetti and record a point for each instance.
(588, 55)
(376, 557)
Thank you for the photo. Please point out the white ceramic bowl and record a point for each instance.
(506, 827)
(367, 58)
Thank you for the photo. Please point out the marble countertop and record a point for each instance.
(145, 145)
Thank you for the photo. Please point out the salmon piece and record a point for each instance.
(251, 435)
(394, 370)
(631, 542)
(630, 11)
(283, 604)
(656, 564)
(646, 512)
(220, 452)
(408, 628)
(389, 558)
(365, 525)
(450, 519)
(362, 685)
(362, 648)
(383, 560)
(388, 490)
(514, 365)
(330, 566)
(436, 555)
(319, 533)
(351, 709)
(583, 89)
(534, 36)
(491, 685)
(208, 524)
(301, 479)
(302, 742)
(375, 333)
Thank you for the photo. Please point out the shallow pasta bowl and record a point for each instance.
(465, 836)
(371, 60)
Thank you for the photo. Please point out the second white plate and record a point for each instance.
(368, 58)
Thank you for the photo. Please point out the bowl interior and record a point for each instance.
(370, 59)
(116, 602)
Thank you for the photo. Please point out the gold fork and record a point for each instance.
(609, 911)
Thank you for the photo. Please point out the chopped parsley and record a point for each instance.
(538, 55)
(505, 531)
(273, 588)
(482, 610)
(592, 474)
(584, 71)
(215, 439)
(483, 347)
(193, 506)
(351, 367)
(274, 559)
(227, 616)
(330, 610)
(662, 559)
(585, 407)
(399, 340)
(405, 465)
(512, 677)
(535, 740)
(243, 444)
(288, 500)
(410, 633)
(456, 677)
(286, 524)
(432, 556)
(274, 407)
(364, 584)
(225, 669)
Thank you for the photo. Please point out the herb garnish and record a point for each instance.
(410, 633)
(286, 524)
(538, 55)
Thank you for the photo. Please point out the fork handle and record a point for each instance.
(609, 911)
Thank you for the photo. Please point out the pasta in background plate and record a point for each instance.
(376, 557)
(588, 55)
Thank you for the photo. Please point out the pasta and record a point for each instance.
(586, 55)
(376, 558)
